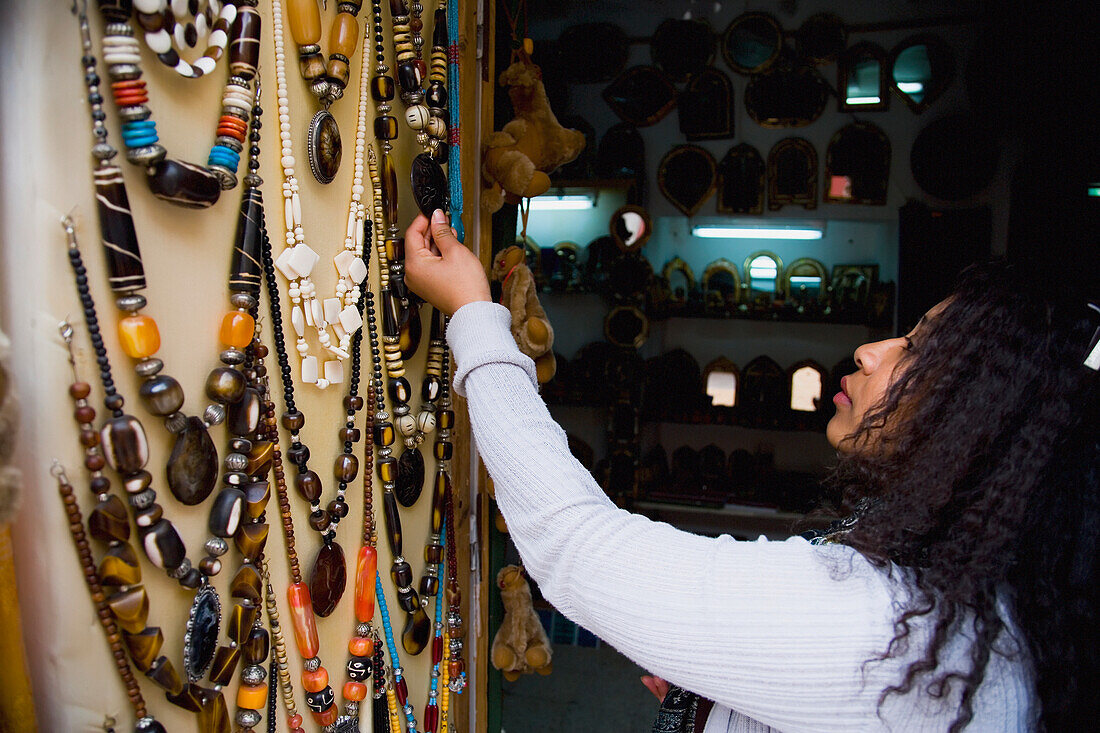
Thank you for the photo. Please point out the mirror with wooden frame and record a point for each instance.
(626, 326)
(763, 398)
(792, 174)
(752, 42)
(763, 276)
(806, 280)
(631, 227)
(687, 177)
(682, 47)
(862, 79)
(821, 38)
(852, 285)
(808, 381)
(641, 95)
(922, 67)
(741, 181)
(621, 153)
(721, 286)
(565, 274)
(720, 382)
(706, 106)
(680, 279)
(786, 96)
(857, 165)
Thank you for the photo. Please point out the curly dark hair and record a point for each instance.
(985, 478)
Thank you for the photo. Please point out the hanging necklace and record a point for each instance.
(297, 259)
(170, 27)
(326, 83)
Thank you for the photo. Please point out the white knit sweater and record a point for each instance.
(777, 633)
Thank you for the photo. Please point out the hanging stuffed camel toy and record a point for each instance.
(520, 645)
(516, 160)
(530, 327)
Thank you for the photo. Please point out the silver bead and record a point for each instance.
(236, 462)
(253, 674)
(182, 570)
(362, 630)
(143, 499)
(216, 546)
(320, 88)
(148, 367)
(352, 709)
(226, 178)
(232, 357)
(175, 422)
(242, 300)
(248, 718)
(311, 664)
(148, 155)
(253, 181)
(131, 303)
(103, 151)
(213, 414)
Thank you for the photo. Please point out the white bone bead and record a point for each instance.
(334, 371)
(332, 310)
(297, 204)
(159, 42)
(309, 370)
(357, 270)
(298, 320)
(147, 6)
(282, 264)
(288, 213)
(302, 259)
(351, 225)
(339, 352)
(308, 312)
(343, 261)
(318, 312)
(350, 319)
(208, 64)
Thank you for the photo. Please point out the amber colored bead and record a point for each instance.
(131, 609)
(247, 584)
(144, 646)
(164, 674)
(302, 619)
(328, 717)
(387, 469)
(443, 450)
(385, 127)
(366, 566)
(119, 566)
(308, 485)
(305, 21)
(237, 329)
(241, 619)
(256, 647)
(138, 336)
(256, 496)
(214, 715)
(253, 697)
(344, 35)
(259, 457)
(346, 468)
(361, 646)
(224, 664)
(382, 88)
(250, 540)
(355, 691)
(315, 681)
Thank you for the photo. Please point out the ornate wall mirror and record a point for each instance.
(921, 69)
(857, 165)
(752, 42)
(641, 95)
(706, 106)
(741, 181)
(763, 399)
(786, 96)
(593, 52)
(862, 78)
(680, 279)
(821, 38)
(807, 386)
(720, 382)
(687, 176)
(682, 48)
(792, 174)
(631, 227)
(621, 153)
(805, 280)
(721, 285)
(567, 255)
(763, 275)
(852, 285)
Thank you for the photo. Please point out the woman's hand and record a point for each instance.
(656, 685)
(439, 268)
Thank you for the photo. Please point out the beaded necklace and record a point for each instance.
(166, 25)
(326, 83)
(297, 259)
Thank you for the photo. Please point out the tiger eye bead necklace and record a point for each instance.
(327, 83)
(172, 28)
(145, 723)
(456, 630)
(297, 259)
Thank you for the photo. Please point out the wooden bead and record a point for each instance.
(237, 329)
(138, 336)
(304, 19)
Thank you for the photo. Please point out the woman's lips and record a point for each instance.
(841, 397)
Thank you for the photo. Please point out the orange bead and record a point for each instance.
(361, 646)
(138, 336)
(237, 329)
(344, 35)
(295, 721)
(304, 19)
(366, 567)
(302, 619)
(253, 697)
(315, 681)
(326, 718)
(355, 691)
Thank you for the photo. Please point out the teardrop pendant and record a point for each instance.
(328, 580)
(410, 477)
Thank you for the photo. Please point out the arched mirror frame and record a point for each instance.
(846, 63)
(806, 196)
(821, 38)
(719, 266)
(939, 55)
(722, 125)
(747, 152)
(778, 273)
(615, 235)
(884, 158)
(775, 407)
(822, 372)
(819, 270)
(677, 264)
(752, 15)
(721, 364)
(656, 96)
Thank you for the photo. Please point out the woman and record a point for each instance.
(964, 595)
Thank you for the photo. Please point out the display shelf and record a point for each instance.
(736, 519)
(725, 417)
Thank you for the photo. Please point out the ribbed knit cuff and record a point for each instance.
(480, 333)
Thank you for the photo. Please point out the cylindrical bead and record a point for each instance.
(344, 35)
(365, 568)
(237, 329)
(125, 272)
(253, 697)
(304, 19)
(244, 266)
(244, 49)
(302, 619)
(316, 680)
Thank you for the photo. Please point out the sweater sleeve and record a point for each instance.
(778, 631)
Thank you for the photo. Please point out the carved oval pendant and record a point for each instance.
(193, 465)
(201, 640)
(324, 146)
(410, 477)
(429, 185)
(328, 579)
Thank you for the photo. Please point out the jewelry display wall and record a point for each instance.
(185, 253)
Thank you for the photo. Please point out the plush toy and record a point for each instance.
(530, 327)
(516, 160)
(521, 645)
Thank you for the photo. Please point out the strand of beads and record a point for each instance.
(145, 722)
(244, 56)
(431, 709)
(400, 687)
(456, 667)
(279, 658)
(163, 29)
(445, 690)
(174, 181)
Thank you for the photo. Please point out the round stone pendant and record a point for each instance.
(324, 146)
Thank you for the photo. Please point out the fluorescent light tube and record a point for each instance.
(568, 202)
(711, 231)
(909, 87)
(863, 100)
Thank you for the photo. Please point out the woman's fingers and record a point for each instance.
(656, 685)
(439, 268)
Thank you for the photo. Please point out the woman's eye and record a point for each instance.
(908, 343)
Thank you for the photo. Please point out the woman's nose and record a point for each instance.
(869, 356)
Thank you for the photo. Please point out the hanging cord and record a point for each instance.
(454, 155)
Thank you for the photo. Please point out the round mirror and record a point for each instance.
(626, 326)
(752, 42)
(631, 227)
(922, 68)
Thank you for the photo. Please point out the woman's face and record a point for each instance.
(877, 364)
